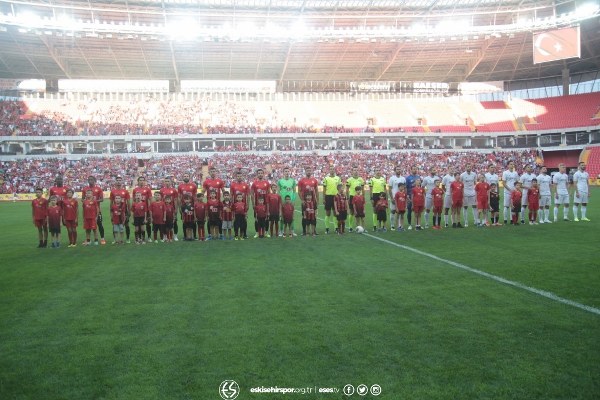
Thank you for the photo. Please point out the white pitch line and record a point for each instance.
(519, 285)
(543, 293)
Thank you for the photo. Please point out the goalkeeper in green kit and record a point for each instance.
(287, 187)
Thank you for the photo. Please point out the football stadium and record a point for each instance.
(299, 199)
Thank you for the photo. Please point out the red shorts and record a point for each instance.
(483, 204)
(89, 224)
(437, 209)
(457, 203)
(70, 224)
(534, 206)
(41, 223)
(417, 209)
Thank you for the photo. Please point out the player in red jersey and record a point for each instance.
(437, 194)
(287, 212)
(227, 216)
(70, 214)
(170, 213)
(240, 210)
(120, 190)
(340, 209)
(146, 193)
(90, 216)
(401, 202)
(55, 213)
(214, 183)
(533, 195)
(238, 186)
(261, 212)
(418, 202)
(515, 200)
(274, 206)
(308, 184)
(381, 207)
(456, 192)
(188, 188)
(157, 218)
(358, 202)
(117, 214)
(39, 215)
(213, 214)
(200, 213)
(58, 190)
(309, 212)
(98, 195)
(168, 190)
(139, 209)
(259, 188)
(482, 193)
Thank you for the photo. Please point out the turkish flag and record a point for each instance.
(556, 45)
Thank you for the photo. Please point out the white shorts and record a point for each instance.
(428, 203)
(561, 199)
(545, 200)
(469, 201)
(507, 202)
(447, 201)
(583, 198)
(227, 225)
(524, 199)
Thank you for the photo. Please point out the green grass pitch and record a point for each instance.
(172, 321)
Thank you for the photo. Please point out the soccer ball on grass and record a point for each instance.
(360, 229)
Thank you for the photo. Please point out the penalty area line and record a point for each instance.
(543, 293)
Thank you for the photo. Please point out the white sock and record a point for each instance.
(583, 211)
(426, 218)
(506, 214)
(522, 213)
(475, 216)
(575, 211)
(547, 214)
(565, 212)
(555, 213)
(465, 216)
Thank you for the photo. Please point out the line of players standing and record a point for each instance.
(409, 195)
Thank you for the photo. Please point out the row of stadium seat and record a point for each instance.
(54, 117)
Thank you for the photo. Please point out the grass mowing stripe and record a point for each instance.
(543, 293)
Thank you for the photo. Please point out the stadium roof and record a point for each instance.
(347, 40)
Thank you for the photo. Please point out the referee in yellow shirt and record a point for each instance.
(330, 184)
(377, 186)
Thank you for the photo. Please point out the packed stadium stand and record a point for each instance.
(24, 175)
(152, 116)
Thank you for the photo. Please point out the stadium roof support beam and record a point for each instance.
(390, 62)
(285, 64)
(174, 62)
(473, 63)
(63, 66)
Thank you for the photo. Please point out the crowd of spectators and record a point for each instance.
(147, 115)
(23, 176)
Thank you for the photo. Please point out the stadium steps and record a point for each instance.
(593, 165)
(584, 156)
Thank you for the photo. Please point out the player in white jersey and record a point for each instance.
(491, 176)
(393, 189)
(525, 180)
(469, 179)
(560, 182)
(509, 178)
(446, 181)
(582, 192)
(429, 184)
(544, 183)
